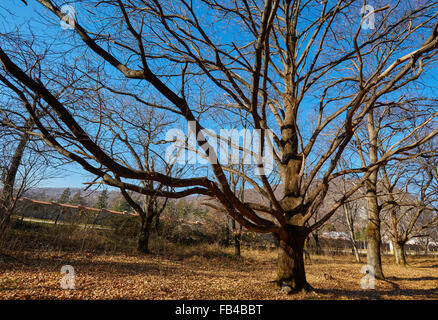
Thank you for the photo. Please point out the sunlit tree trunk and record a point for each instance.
(426, 247)
(399, 252)
(290, 266)
(291, 251)
(398, 244)
(350, 226)
(9, 177)
(374, 239)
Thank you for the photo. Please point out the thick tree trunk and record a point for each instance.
(7, 194)
(373, 247)
(290, 268)
(145, 231)
(374, 240)
(373, 229)
(399, 253)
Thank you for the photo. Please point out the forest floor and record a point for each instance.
(192, 274)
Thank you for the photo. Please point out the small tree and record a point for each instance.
(120, 204)
(65, 196)
(10, 191)
(410, 198)
(77, 199)
(102, 200)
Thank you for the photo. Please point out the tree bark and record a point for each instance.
(350, 226)
(147, 214)
(145, 231)
(374, 241)
(373, 229)
(7, 195)
(399, 252)
(290, 267)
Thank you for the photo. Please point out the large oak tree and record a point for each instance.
(308, 71)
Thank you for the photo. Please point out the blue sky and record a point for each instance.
(27, 19)
(72, 175)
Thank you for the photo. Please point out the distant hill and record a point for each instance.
(251, 195)
(53, 194)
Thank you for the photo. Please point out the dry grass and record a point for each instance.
(206, 272)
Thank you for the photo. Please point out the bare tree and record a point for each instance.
(388, 125)
(281, 55)
(149, 124)
(410, 199)
(351, 210)
(10, 192)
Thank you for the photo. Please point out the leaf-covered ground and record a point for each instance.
(36, 275)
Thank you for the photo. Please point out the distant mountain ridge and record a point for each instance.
(52, 194)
